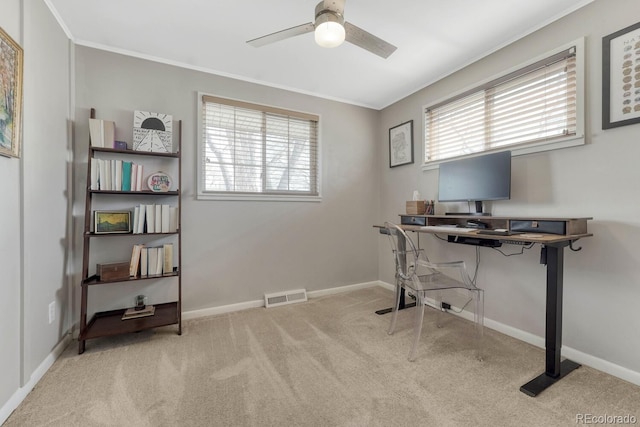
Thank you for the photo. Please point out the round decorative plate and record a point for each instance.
(159, 182)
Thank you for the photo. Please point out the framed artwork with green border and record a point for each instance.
(11, 61)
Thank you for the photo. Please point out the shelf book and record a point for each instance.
(153, 261)
(102, 133)
(134, 265)
(155, 218)
(116, 175)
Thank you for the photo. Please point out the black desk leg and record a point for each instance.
(554, 368)
(401, 305)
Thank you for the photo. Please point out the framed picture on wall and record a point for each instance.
(621, 77)
(401, 144)
(10, 95)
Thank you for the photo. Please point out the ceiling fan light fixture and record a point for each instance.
(329, 31)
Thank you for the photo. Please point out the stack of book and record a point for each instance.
(155, 219)
(115, 175)
(132, 313)
(151, 261)
(102, 133)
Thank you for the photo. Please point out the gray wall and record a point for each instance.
(34, 244)
(10, 330)
(599, 180)
(235, 251)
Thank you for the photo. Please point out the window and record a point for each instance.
(533, 106)
(255, 152)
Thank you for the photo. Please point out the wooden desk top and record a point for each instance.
(576, 227)
(495, 217)
(525, 237)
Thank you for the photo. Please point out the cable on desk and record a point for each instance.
(522, 248)
(475, 273)
(441, 238)
(420, 249)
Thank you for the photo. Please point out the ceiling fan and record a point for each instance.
(331, 30)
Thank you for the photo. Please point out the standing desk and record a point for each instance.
(552, 256)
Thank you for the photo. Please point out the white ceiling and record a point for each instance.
(433, 37)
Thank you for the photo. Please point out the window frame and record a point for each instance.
(201, 194)
(527, 147)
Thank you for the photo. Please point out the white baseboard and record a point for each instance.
(568, 353)
(340, 289)
(602, 365)
(20, 394)
(212, 311)
(387, 286)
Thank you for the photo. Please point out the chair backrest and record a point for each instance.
(407, 255)
(405, 252)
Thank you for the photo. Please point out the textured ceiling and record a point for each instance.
(433, 37)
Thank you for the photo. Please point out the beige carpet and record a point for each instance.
(327, 362)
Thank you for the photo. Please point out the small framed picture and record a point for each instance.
(621, 77)
(112, 222)
(401, 144)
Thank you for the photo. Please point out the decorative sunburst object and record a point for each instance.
(152, 132)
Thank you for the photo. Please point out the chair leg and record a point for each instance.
(419, 316)
(394, 310)
(439, 314)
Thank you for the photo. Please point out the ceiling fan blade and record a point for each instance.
(368, 41)
(281, 35)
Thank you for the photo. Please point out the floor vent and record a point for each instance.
(287, 297)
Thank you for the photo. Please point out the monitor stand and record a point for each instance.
(478, 212)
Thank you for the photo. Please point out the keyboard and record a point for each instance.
(499, 232)
(447, 228)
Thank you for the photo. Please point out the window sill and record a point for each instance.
(257, 197)
(538, 147)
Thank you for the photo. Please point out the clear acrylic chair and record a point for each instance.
(419, 276)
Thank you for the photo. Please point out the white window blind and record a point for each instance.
(533, 104)
(254, 149)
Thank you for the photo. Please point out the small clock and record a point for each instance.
(152, 132)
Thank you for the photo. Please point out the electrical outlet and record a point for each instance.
(52, 312)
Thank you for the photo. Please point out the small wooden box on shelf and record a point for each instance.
(108, 323)
(112, 271)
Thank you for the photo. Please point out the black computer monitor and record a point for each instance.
(476, 179)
